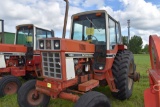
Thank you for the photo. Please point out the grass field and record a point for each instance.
(136, 100)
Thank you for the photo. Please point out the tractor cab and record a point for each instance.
(28, 35)
(96, 27)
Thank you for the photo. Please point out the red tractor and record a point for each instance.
(21, 59)
(152, 94)
(93, 56)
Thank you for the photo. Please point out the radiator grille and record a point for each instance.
(51, 65)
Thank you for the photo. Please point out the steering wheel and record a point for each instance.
(91, 38)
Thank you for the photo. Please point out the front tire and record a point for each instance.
(9, 85)
(93, 99)
(27, 97)
(123, 66)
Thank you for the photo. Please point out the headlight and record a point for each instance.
(100, 67)
(41, 44)
(56, 44)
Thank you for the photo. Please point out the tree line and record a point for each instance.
(135, 44)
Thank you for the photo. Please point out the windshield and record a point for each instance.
(42, 33)
(25, 36)
(90, 25)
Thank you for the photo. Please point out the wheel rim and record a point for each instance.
(130, 81)
(34, 98)
(10, 88)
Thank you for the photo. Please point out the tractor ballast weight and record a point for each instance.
(90, 58)
(152, 94)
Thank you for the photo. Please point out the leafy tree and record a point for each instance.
(135, 44)
(125, 40)
(146, 49)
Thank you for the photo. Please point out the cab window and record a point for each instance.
(24, 36)
(118, 34)
(112, 33)
(90, 28)
(42, 33)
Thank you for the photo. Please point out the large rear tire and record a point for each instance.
(93, 99)
(9, 85)
(29, 97)
(123, 66)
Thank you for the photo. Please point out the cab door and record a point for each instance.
(114, 33)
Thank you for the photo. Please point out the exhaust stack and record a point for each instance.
(65, 19)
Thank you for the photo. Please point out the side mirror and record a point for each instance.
(52, 33)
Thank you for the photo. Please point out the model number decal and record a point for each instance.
(49, 85)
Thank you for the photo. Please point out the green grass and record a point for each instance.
(136, 100)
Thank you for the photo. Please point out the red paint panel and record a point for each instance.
(12, 48)
(86, 86)
(18, 71)
(149, 98)
(152, 94)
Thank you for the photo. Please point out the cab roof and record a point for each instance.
(33, 25)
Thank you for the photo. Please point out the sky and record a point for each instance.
(143, 14)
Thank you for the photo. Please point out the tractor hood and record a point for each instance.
(65, 45)
(10, 48)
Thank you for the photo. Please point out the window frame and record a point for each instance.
(117, 25)
(16, 35)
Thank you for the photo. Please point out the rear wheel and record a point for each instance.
(29, 97)
(9, 85)
(123, 66)
(93, 99)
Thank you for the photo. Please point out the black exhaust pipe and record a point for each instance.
(65, 19)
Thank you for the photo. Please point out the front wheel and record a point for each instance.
(93, 99)
(29, 97)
